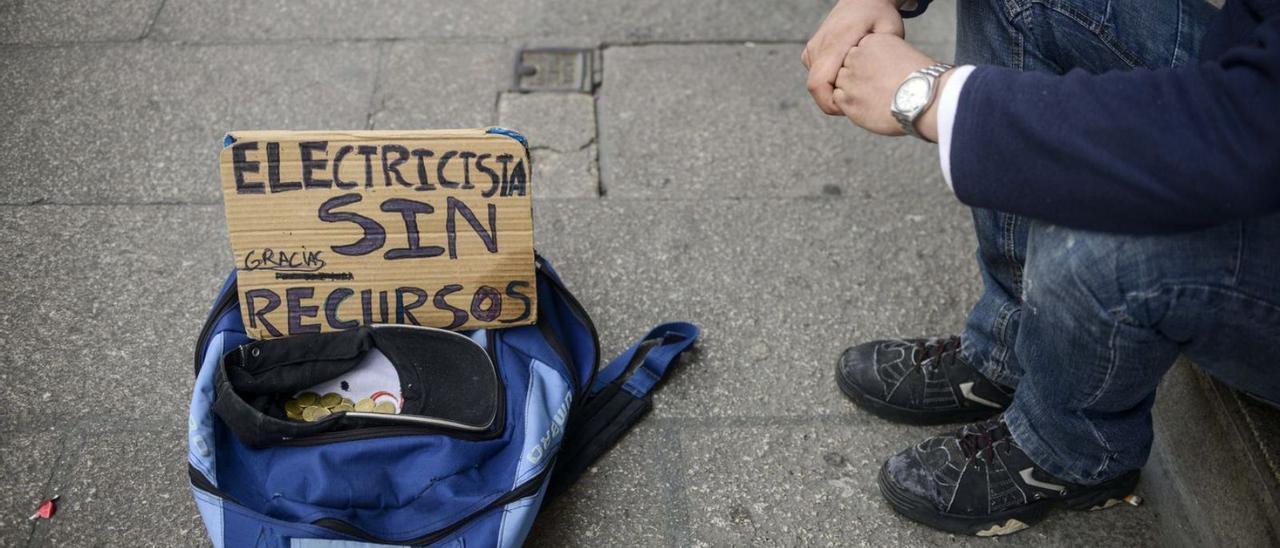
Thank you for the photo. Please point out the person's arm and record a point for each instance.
(1137, 151)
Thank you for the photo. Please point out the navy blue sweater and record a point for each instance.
(1138, 151)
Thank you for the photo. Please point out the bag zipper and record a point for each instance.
(221, 307)
(578, 311)
(199, 481)
(525, 489)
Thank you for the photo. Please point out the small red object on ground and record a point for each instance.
(46, 509)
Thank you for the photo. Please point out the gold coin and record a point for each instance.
(348, 401)
(330, 400)
(385, 407)
(307, 399)
(292, 407)
(314, 413)
(343, 407)
(364, 406)
(295, 416)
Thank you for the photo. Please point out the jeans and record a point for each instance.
(1085, 324)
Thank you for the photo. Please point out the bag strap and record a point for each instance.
(621, 395)
(655, 352)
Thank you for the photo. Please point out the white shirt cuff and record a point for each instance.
(947, 104)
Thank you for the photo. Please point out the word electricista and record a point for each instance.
(386, 165)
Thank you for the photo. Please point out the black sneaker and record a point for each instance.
(918, 381)
(977, 481)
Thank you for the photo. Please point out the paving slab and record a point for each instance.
(628, 498)
(593, 21)
(619, 22)
(54, 21)
(572, 174)
(250, 20)
(427, 86)
(632, 21)
(27, 464)
(143, 122)
(561, 128)
(814, 485)
(779, 287)
(124, 489)
(99, 310)
(735, 121)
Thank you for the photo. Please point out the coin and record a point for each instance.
(364, 406)
(330, 400)
(348, 401)
(343, 407)
(315, 413)
(385, 407)
(308, 399)
(292, 408)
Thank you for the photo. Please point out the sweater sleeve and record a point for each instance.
(1140, 151)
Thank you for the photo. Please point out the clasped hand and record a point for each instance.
(856, 61)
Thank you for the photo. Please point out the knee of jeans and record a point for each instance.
(1078, 270)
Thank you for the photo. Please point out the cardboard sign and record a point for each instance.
(332, 230)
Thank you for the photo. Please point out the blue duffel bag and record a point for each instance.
(489, 423)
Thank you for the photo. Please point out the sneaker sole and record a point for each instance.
(920, 510)
(906, 415)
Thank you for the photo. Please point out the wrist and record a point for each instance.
(927, 122)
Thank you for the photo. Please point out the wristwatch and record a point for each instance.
(914, 95)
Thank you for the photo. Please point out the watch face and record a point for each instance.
(912, 94)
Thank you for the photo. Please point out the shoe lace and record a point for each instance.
(937, 352)
(984, 438)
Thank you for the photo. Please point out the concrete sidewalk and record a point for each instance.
(698, 182)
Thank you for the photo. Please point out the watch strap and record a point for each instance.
(908, 121)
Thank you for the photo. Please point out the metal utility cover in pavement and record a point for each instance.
(553, 69)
